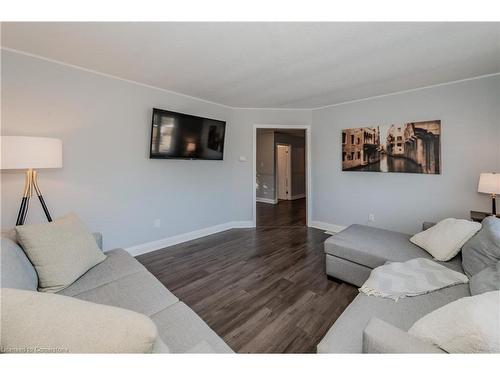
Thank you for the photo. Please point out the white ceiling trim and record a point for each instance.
(410, 90)
(2, 48)
(107, 75)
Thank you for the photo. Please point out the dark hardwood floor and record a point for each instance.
(282, 214)
(263, 290)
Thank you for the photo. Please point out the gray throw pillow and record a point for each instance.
(60, 251)
(482, 250)
(487, 280)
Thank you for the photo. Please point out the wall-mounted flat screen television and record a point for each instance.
(181, 136)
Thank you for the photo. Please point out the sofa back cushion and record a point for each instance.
(485, 281)
(482, 250)
(16, 270)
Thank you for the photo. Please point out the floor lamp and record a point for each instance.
(30, 154)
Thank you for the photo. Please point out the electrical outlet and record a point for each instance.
(371, 218)
(156, 223)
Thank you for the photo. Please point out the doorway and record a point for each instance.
(282, 175)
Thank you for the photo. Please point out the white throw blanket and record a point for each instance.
(412, 278)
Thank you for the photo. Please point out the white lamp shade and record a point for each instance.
(489, 183)
(31, 152)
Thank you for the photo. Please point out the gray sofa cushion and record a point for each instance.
(373, 247)
(16, 271)
(41, 322)
(353, 273)
(140, 292)
(117, 265)
(123, 282)
(482, 250)
(202, 347)
(183, 331)
(486, 281)
(382, 337)
(346, 334)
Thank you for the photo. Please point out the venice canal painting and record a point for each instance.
(413, 147)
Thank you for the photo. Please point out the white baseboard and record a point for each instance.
(327, 226)
(241, 224)
(266, 200)
(298, 196)
(184, 237)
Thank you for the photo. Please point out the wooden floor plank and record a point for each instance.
(263, 290)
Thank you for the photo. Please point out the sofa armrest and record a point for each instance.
(382, 337)
(427, 224)
(98, 239)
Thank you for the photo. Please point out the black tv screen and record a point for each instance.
(181, 136)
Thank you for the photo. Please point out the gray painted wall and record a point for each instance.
(110, 182)
(470, 145)
(107, 177)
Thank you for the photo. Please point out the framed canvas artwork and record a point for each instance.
(413, 147)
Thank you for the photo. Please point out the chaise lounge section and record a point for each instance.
(373, 324)
(354, 252)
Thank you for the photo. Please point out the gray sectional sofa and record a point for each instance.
(373, 324)
(123, 282)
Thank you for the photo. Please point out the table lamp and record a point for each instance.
(489, 183)
(30, 153)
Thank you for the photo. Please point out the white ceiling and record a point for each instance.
(273, 65)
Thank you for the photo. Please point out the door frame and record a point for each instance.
(289, 172)
(307, 129)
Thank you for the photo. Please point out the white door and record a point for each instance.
(283, 156)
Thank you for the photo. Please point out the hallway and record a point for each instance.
(286, 213)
